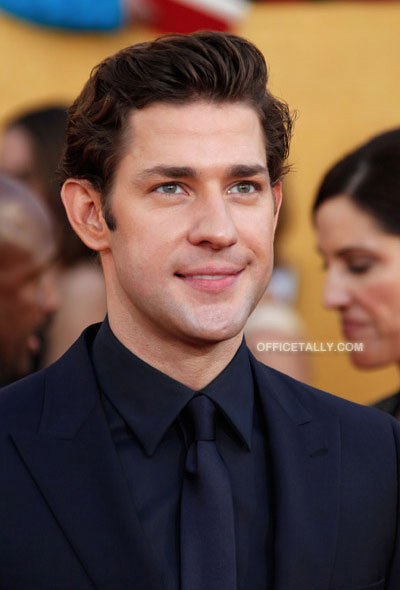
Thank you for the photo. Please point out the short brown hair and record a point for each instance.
(176, 69)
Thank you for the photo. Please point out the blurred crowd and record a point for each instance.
(51, 285)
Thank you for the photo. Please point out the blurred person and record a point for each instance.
(30, 151)
(158, 453)
(28, 294)
(357, 219)
(275, 319)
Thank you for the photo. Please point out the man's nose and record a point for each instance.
(213, 225)
(336, 291)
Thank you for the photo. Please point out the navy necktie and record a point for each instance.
(208, 560)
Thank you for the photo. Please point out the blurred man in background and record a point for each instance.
(30, 149)
(28, 295)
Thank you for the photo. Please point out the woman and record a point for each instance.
(30, 150)
(357, 218)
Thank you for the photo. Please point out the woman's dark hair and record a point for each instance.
(45, 128)
(177, 69)
(370, 177)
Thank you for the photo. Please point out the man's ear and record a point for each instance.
(83, 206)
(277, 196)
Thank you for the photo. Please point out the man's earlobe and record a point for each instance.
(83, 206)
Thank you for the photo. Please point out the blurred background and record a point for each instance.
(336, 63)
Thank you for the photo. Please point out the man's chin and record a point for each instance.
(215, 333)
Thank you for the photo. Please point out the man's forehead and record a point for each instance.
(195, 136)
(198, 117)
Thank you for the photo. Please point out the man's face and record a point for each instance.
(28, 296)
(195, 214)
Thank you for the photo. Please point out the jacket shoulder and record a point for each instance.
(21, 403)
(289, 391)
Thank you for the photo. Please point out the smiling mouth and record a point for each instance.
(210, 283)
(208, 277)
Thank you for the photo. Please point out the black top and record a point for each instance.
(390, 405)
(143, 408)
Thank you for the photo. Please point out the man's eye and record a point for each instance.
(243, 188)
(170, 189)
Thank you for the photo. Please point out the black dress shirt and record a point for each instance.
(143, 408)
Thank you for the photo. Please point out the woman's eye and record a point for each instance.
(359, 267)
(243, 188)
(170, 189)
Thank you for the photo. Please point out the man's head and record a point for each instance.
(27, 292)
(174, 69)
(175, 150)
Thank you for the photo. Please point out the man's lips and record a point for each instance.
(211, 280)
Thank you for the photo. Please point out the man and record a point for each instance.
(157, 453)
(28, 295)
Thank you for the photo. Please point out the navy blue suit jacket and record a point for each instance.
(67, 520)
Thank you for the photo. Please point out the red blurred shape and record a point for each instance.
(186, 16)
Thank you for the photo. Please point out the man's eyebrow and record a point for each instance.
(235, 171)
(247, 170)
(167, 172)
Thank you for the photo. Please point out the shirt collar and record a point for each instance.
(150, 401)
(233, 391)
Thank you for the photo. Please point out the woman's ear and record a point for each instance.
(83, 206)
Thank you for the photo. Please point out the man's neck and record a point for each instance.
(192, 364)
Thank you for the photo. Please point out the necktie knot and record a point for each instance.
(202, 413)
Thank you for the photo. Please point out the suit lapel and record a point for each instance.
(305, 455)
(74, 463)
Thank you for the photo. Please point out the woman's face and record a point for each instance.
(363, 279)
